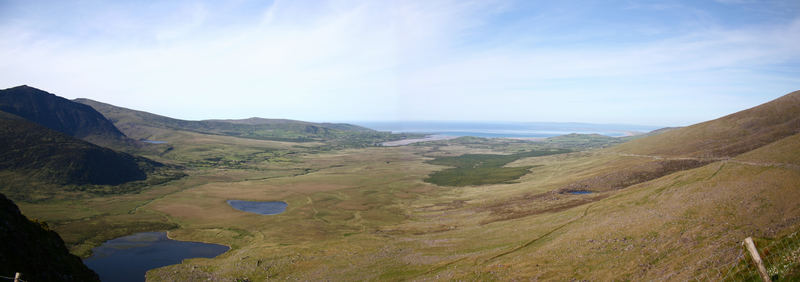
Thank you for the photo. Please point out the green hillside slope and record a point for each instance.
(677, 149)
(736, 177)
(54, 157)
(674, 206)
(684, 225)
(726, 136)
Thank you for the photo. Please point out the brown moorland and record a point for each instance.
(672, 206)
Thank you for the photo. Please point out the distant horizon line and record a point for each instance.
(419, 121)
(495, 122)
(354, 121)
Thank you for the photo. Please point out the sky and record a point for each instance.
(667, 63)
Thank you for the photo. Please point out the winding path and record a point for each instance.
(717, 159)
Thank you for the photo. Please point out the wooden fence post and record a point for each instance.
(751, 247)
(16, 277)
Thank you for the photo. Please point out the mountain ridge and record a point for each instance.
(52, 144)
(669, 150)
(60, 114)
(263, 121)
(47, 154)
(136, 124)
(726, 136)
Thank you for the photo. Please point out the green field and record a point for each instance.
(482, 169)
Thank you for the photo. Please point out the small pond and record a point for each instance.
(259, 207)
(129, 258)
(154, 142)
(579, 192)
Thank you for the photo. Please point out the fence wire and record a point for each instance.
(12, 278)
(781, 258)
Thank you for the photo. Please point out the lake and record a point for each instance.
(266, 208)
(507, 129)
(129, 258)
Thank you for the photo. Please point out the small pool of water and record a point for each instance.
(259, 207)
(129, 258)
(579, 192)
(154, 142)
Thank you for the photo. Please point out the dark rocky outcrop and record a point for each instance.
(59, 114)
(43, 154)
(30, 248)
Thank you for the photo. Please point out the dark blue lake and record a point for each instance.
(259, 207)
(129, 258)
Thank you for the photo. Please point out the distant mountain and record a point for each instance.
(57, 113)
(727, 136)
(37, 152)
(140, 125)
(32, 249)
(590, 141)
(264, 121)
(575, 140)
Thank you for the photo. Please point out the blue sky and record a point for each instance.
(631, 62)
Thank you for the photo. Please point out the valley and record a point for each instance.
(671, 205)
(414, 140)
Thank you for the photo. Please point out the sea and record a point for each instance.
(507, 129)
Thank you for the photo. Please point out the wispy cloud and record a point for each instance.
(358, 60)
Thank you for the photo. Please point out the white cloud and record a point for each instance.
(351, 60)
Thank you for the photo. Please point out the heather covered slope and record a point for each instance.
(690, 147)
(676, 206)
(727, 136)
(35, 251)
(680, 226)
(39, 153)
(672, 214)
(784, 152)
(59, 114)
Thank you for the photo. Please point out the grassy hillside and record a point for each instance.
(676, 227)
(784, 152)
(707, 211)
(37, 161)
(727, 136)
(59, 114)
(31, 248)
(675, 149)
(62, 159)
